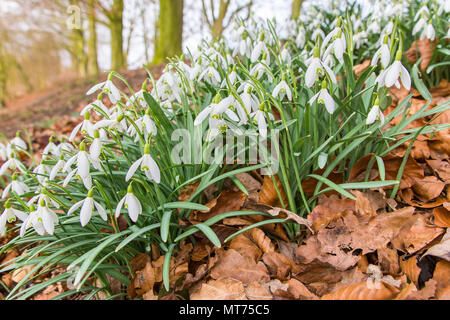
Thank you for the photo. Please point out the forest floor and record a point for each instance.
(374, 247)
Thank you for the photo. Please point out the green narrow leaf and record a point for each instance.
(165, 225)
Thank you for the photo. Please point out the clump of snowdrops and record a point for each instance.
(301, 86)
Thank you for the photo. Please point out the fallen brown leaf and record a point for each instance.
(361, 291)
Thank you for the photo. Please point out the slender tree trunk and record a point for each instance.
(170, 26)
(92, 42)
(3, 79)
(79, 57)
(217, 26)
(296, 8)
(116, 27)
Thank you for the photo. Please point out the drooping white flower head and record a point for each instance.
(324, 98)
(147, 164)
(382, 54)
(10, 215)
(81, 159)
(98, 106)
(107, 87)
(86, 127)
(43, 220)
(317, 68)
(281, 90)
(18, 187)
(375, 113)
(132, 204)
(397, 71)
(87, 208)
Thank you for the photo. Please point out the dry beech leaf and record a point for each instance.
(299, 291)
(441, 217)
(441, 168)
(329, 211)
(256, 291)
(411, 269)
(280, 266)
(246, 247)
(335, 245)
(411, 292)
(288, 215)
(412, 173)
(421, 49)
(428, 188)
(251, 184)
(243, 268)
(363, 291)
(441, 276)
(220, 289)
(442, 249)
(269, 195)
(358, 69)
(263, 241)
(388, 261)
(416, 234)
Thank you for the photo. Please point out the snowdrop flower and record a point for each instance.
(87, 208)
(51, 148)
(42, 196)
(282, 89)
(16, 144)
(146, 125)
(16, 186)
(118, 122)
(96, 147)
(107, 87)
(43, 220)
(249, 100)
(325, 98)
(337, 46)
(318, 32)
(259, 70)
(3, 152)
(375, 113)
(233, 77)
(215, 111)
(132, 203)
(65, 147)
(83, 167)
(300, 40)
(58, 167)
(259, 49)
(41, 171)
(397, 71)
(259, 118)
(422, 12)
(334, 33)
(147, 164)
(12, 164)
(317, 68)
(428, 32)
(210, 75)
(10, 215)
(286, 56)
(96, 106)
(85, 126)
(382, 53)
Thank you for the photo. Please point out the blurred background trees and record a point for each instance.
(44, 42)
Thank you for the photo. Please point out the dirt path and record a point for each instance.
(48, 106)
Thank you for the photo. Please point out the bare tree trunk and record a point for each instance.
(170, 26)
(116, 27)
(296, 8)
(93, 68)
